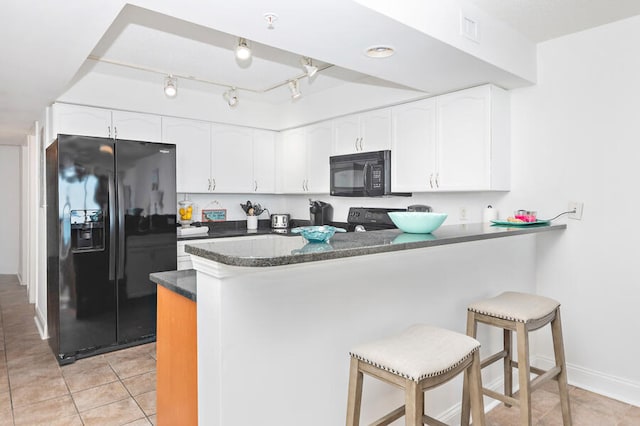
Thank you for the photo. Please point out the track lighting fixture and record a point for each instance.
(243, 51)
(295, 90)
(308, 66)
(231, 97)
(170, 86)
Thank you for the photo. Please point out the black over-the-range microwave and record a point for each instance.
(363, 174)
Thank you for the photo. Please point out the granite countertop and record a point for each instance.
(238, 228)
(278, 251)
(181, 282)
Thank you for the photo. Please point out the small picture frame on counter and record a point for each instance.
(214, 215)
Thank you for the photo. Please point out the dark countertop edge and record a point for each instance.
(361, 251)
(181, 282)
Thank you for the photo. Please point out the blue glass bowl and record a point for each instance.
(317, 234)
(417, 222)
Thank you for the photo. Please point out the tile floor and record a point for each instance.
(119, 388)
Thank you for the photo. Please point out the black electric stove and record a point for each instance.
(370, 218)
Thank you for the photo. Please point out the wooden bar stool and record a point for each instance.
(420, 358)
(521, 313)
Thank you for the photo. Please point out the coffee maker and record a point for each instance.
(321, 213)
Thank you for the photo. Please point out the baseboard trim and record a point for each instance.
(604, 384)
(41, 326)
(452, 415)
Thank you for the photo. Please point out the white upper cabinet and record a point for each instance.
(369, 131)
(454, 142)
(264, 161)
(90, 121)
(81, 120)
(303, 159)
(413, 146)
(232, 161)
(136, 126)
(193, 152)
(473, 139)
(318, 140)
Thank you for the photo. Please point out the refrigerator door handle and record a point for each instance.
(120, 231)
(112, 228)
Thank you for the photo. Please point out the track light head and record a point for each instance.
(308, 66)
(243, 51)
(170, 86)
(231, 97)
(295, 89)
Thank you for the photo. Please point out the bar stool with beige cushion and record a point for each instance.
(522, 313)
(418, 359)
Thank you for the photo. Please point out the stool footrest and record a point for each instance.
(389, 418)
(500, 397)
(493, 358)
(534, 370)
(550, 374)
(431, 421)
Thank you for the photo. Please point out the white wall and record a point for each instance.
(11, 214)
(576, 137)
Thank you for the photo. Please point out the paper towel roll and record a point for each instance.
(490, 214)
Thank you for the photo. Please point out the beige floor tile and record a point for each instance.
(39, 391)
(74, 420)
(6, 417)
(114, 414)
(140, 384)
(43, 412)
(153, 419)
(147, 401)
(100, 395)
(581, 415)
(5, 401)
(139, 422)
(134, 367)
(26, 377)
(631, 417)
(90, 378)
(600, 404)
(4, 382)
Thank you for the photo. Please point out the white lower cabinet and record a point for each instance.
(454, 142)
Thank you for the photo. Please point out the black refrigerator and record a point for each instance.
(111, 221)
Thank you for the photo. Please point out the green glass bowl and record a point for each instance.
(317, 234)
(417, 222)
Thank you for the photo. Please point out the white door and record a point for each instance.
(193, 152)
(346, 135)
(375, 130)
(318, 138)
(264, 159)
(464, 139)
(413, 150)
(136, 126)
(232, 161)
(292, 162)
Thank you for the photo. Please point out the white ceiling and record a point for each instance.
(46, 43)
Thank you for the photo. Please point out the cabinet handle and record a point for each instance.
(303, 182)
(361, 138)
(209, 187)
(255, 185)
(109, 131)
(356, 143)
(437, 180)
(214, 184)
(431, 180)
(115, 132)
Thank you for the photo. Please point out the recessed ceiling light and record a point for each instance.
(380, 51)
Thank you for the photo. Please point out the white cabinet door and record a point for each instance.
(232, 161)
(464, 139)
(369, 131)
(318, 141)
(346, 135)
(413, 150)
(136, 126)
(264, 160)
(375, 130)
(193, 152)
(81, 120)
(292, 162)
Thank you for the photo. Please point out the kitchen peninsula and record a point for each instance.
(276, 316)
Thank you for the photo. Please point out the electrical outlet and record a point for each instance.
(575, 207)
(463, 214)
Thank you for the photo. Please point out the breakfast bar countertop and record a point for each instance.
(180, 282)
(277, 251)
